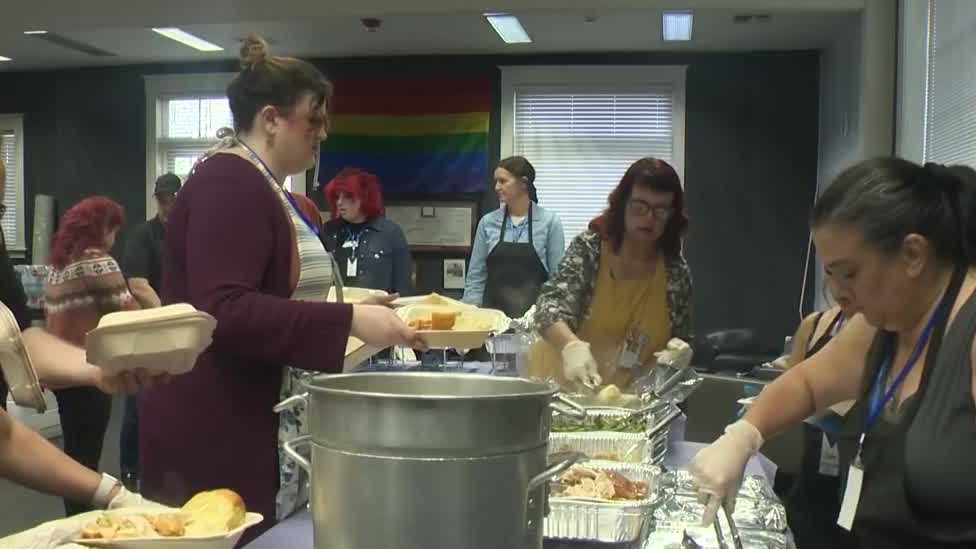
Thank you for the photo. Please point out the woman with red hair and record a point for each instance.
(623, 289)
(371, 250)
(84, 284)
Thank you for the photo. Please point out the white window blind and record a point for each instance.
(11, 144)
(189, 129)
(950, 122)
(581, 139)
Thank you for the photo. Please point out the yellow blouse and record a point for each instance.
(628, 322)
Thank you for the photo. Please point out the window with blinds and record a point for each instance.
(189, 129)
(950, 103)
(582, 139)
(11, 145)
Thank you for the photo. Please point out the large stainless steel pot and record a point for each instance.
(427, 460)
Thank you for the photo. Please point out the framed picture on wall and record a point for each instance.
(454, 274)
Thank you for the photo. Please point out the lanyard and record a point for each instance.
(878, 396)
(263, 168)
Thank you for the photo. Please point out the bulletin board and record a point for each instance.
(435, 226)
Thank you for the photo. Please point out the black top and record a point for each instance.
(919, 488)
(824, 337)
(383, 259)
(143, 256)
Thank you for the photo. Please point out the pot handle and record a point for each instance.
(569, 459)
(289, 447)
(568, 407)
(291, 402)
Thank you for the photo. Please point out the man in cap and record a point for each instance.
(143, 267)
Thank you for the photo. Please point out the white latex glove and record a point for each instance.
(677, 354)
(718, 468)
(579, 364)
(128, 500)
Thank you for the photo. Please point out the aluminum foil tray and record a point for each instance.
(705, 538)
(682, 483)
(606, 522)
(651, 419)
(759, 514)
(604, 445)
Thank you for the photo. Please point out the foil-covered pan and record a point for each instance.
(605, 521)
(681, 482)
(704, 538)
(758, 514)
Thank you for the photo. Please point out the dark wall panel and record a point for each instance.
(750, 160)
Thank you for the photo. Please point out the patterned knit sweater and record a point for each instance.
(77, 296)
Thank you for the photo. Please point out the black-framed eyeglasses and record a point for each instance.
(640, 207)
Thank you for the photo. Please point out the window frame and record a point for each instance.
(17, 248)
(162, 88)
(609, 77)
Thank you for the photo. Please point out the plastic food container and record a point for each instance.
(224, 541)
(16, 365)
(162, 340)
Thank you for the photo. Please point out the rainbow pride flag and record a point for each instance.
(418, 135)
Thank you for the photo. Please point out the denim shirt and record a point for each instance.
(383, 255)
(547, 239)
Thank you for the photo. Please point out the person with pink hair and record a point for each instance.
(84, 284)
(371, 250)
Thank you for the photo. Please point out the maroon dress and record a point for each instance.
(229, 252)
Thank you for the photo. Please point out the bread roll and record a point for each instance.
(215, 512)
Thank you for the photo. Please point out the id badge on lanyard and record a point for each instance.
(353, 261)
(632, 348)
(877, 400)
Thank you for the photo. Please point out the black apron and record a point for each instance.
(813, 503)
(884, 515)
(515, 274)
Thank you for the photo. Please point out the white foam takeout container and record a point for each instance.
(16, 365)
(353, 295)
(161, 340)
(461, 340)
(221, 541)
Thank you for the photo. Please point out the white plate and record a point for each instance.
(353, 295)
(489, 321)
(16, 365)
(166, 339)
(431, 299)
(223, 541)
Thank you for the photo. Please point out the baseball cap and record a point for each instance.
(168, 183)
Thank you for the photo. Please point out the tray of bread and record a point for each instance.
(454, 327)
(210, 520)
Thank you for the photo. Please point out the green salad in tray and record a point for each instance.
(619, 424)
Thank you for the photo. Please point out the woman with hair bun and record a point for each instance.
(898, 241)
(239, 247)
(516, 247)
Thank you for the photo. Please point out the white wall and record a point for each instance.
(840, 119)
(857, 97)
(913, 35)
